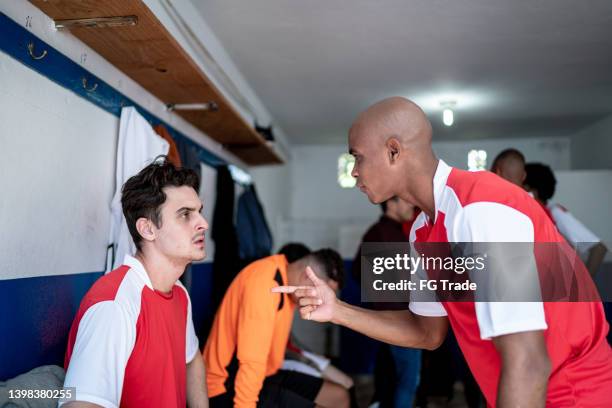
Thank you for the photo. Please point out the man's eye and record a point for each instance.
(185, 215)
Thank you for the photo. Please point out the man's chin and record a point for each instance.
(199, 257)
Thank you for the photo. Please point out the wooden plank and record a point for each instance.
(149, 55)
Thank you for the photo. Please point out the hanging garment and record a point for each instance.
(226, 263)
(254, 237)
(138, 146)
(189, 156)
(173, 153)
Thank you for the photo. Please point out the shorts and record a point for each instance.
(283, 389)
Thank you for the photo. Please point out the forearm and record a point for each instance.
(596, 257)
(402, 328)
(249, 382)
(524, 371)
(197, 395)
(522, 387)
(334, 375)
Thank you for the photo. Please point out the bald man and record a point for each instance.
(530, 354)
(510, 165)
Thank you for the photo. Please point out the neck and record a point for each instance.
(294, 271)
(421, 187)
(162, 271)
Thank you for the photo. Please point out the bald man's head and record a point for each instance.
(391, 142)
(510, 165)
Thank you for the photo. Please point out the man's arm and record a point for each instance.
(402, 328)
(525, 370)
(256, 323)
(334, 375)
(197, 395)
(596, 257)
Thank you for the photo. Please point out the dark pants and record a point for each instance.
(283, 389)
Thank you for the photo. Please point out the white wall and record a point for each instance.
(274, 191)
(592, 146)
(554, 151)
(587, 194)
(58, 175)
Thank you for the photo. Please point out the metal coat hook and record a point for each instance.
(31, 52)
(93, 88)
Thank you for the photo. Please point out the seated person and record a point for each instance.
(132, 342)
(541, 183)
(246, 346)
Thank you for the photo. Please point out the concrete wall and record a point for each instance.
(592, 146)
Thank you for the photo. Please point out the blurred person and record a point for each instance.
(541, 183)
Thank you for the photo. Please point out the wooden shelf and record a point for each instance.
(149, 55)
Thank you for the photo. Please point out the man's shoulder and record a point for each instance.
(118, 287)
(261, 273)
(486, 187)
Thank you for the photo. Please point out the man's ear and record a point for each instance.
(144, 227)
(394, 148)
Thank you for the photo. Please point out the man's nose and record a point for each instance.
(354, 172)
(203, 224)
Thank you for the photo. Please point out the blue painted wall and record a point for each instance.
(36, 314)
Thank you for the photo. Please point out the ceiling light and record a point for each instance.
(448, 116)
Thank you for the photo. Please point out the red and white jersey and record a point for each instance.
(129, 344)
(576, 233)
(482, 207)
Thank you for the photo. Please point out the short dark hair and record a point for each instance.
(506, 154)
(294, 251)
(541, 178)
(330, 263)
(142, 195)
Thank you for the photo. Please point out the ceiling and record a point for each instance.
(514, 68)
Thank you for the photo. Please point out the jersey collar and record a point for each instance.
(138, 267)
(439, 182)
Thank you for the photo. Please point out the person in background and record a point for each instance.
(396, 372)
(246, 346)
(541, 183)
(132, 342)
(510, 165)
(294, 251)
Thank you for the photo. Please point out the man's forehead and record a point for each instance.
(183, 196)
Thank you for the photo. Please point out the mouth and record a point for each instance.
(200, 242)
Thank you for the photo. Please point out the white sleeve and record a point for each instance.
(192, 346)
(423, 303)
(429, 309)
(105, 339)
(573, 230)
(487, 222)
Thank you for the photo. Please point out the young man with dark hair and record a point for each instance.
(132, 342)
(510, 165)
(541, 183)
(247, 343)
